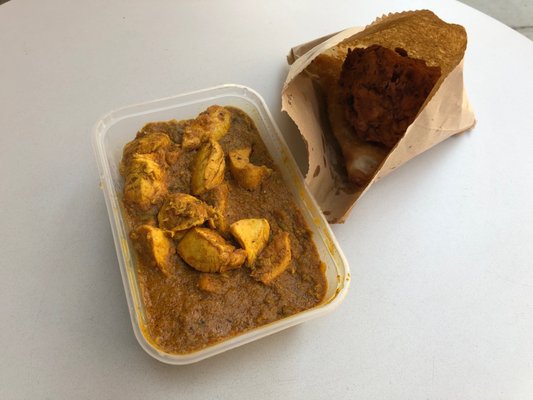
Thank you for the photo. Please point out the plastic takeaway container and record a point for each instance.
(115, 129)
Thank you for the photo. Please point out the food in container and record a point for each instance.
(160, 233)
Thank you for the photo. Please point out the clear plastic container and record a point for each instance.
(115, 129)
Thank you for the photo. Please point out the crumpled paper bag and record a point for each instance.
(446, 111)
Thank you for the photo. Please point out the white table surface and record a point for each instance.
(441, 251)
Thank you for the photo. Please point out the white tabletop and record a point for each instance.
(441, 251)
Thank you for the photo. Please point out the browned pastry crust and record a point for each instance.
(383, 91)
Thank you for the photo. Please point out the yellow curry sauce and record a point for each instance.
(187, 308)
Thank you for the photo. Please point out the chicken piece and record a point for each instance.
(218, 199)
(182, 211)
(212, 283)
(154, 248)
(252, 234)
(144, 184)
(211, 124)
(273, 260)
(247, 175)
(208, 168)
(206, 251)
(150, 143)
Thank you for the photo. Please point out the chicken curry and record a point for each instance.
(221, 246)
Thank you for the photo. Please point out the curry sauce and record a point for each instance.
(221, 246)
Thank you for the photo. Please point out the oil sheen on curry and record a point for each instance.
(221, 246)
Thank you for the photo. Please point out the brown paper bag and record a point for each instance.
(445, 112)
